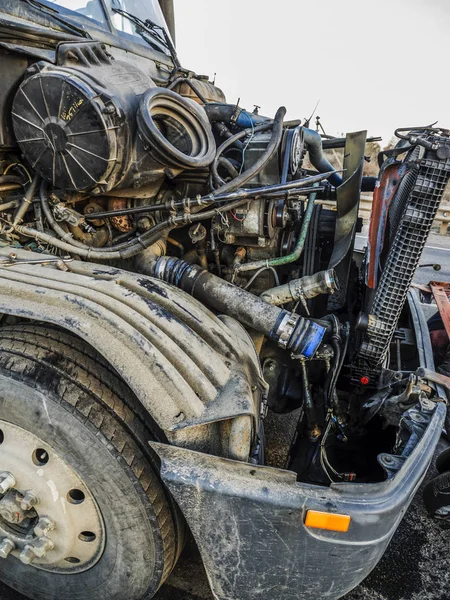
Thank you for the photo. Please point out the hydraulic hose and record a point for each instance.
(10, 179)
(289, 330)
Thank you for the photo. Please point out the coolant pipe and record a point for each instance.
(289, 330)
(295, 254)
(315, 151)
(305, 288)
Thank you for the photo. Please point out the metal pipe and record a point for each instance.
(204, 201)
(145, 259)
(310, 286)
(27, 200)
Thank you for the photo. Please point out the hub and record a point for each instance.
(48, 517)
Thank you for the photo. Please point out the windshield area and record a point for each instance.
(121, 24)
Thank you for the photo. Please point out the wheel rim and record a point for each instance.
(48, 517)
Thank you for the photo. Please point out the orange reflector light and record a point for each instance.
(330, 521)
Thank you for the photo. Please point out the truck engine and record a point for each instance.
(109, 172)
(220, 202)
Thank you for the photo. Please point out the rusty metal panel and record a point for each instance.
(441, 292)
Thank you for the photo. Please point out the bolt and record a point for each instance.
(37, 550)
(42, 546)
(6, 547)
(417, 417)
(7, 481)
(27, 555)
(28, 501)
(43, 527)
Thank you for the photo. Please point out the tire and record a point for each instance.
(59, 389)
(443, 461)
(436, 496)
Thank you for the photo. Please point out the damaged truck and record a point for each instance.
(171, 283)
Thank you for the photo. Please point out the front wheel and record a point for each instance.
(82, 512)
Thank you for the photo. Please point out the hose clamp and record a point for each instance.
(286, 329)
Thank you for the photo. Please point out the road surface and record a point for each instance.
(437, 251)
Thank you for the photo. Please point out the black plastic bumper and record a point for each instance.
(248, 522)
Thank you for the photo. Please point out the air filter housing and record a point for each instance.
(71, 135)
(77, 126)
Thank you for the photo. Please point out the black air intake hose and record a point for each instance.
(314, 142)
(232, 114)
(290, 331)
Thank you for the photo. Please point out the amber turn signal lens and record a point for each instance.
(330, 521)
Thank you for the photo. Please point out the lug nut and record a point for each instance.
(37, 550)
(43, 526)
(42, 546)
(27, 555)
(28, 501)
(6, 547)
(7, 481)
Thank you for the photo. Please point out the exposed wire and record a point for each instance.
(236, 218)
(17, 164)
(323, 451)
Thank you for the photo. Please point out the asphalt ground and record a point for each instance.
(437, 251)
(416, 565)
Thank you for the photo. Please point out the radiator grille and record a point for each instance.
(404, 255)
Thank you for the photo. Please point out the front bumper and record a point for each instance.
(248, 522)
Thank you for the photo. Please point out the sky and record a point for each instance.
(371, 65)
